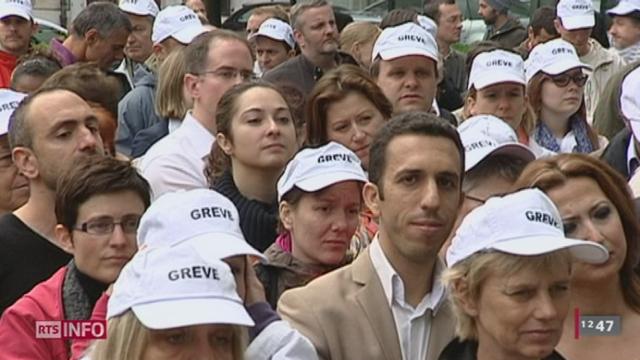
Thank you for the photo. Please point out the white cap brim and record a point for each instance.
(186, 35)
(586, 251)
(391, 54)
(8, 10)
(559, 67)
(219, 246)
(489, 78)
(178, 312)
(322, 181)
(514, 149)
(578, 22)
(623, 8)
(135, 10)
(270, 36)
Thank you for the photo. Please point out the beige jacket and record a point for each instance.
(346, 316)
(604, 65)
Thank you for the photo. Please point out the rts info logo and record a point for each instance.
(71, 329)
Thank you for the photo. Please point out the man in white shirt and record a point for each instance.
(215, 62)
(389, 303)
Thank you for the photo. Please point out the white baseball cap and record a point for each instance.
(21, 8)
(174, 287)
(9, 101)
(178, 22)
(277, 30)
(404, 40)
(428, 24)
(202, 217)
(313, 169)
(576, 14)
(630, 100)
(139, 7)
(624, 7)
(490, 126)
(524, 223)
(478, 145)
(495, 67)
(553, 58)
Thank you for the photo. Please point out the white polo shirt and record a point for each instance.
(412, 324)
(176, 162)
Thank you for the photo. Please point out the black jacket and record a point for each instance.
(467, 350)
(615, 154)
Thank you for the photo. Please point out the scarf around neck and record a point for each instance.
(544, 136)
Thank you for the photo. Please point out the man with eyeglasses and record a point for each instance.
(174, 28)
(98, 208)
(215, 62)
(49, 131)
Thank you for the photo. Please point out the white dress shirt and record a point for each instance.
(176, 162)
(412, 324)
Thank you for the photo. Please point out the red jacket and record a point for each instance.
(7, 65)
(44, 302)
(17, 325)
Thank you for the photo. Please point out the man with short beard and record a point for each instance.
(316, 32)
(16, 29)
(48, 131)
(501, 28)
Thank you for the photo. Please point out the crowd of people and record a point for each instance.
(300, 192)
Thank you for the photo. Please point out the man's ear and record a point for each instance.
(34, 27)
(371, 197)
(191, 85)
(91, 36)
(64, 238)
(286, 215)
(297, 34)
(558, 25)
(225, 144)
(26, 162)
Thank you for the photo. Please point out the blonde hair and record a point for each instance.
(127, 339)
(171, 100)
(358, 32)
(464, 280)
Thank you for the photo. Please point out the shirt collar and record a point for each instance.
(200, 138)
(393, 286)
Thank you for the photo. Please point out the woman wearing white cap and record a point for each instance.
(348, 107)
(256, 138)
(556, 94)
(320, 201)
(508, 279)
(497, 87)
(170, 303)
(596, 205)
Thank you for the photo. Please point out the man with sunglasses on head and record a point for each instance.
(575, 20)
(98, 206)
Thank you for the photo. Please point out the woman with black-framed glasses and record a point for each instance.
(555, 85)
